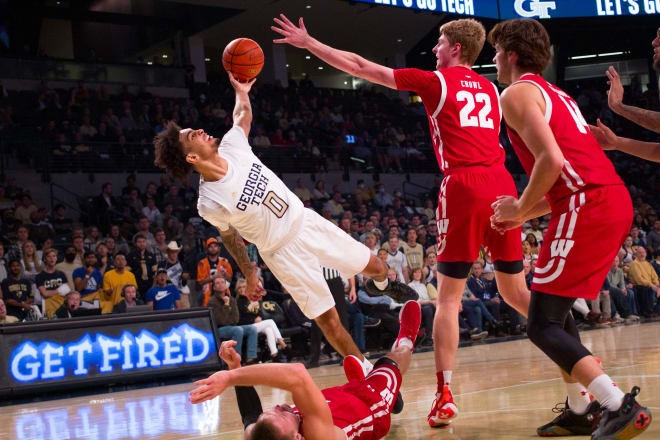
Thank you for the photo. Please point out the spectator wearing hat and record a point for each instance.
(176, 274)
(129, 292)
(163, 296)
(212, 267)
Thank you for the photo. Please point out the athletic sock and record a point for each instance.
(444, 378)
(381, 285)
(578, 398)
(606, 392)
(367, 366)
(403, 342)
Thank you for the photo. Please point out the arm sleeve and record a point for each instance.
(249, 404)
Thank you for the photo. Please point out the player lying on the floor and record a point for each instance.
(360, 409)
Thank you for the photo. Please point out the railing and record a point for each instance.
(70, 70)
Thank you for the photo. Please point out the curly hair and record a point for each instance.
(469, 33)
(526, 37)
(169, 152)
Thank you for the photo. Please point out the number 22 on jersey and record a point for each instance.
(467, 116)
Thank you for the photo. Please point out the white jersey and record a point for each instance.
(250, 197)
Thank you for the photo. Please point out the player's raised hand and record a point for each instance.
(294, 35)
(210, 387)
(615, 93)
(506, 210)
(229, 355)
(241, 86)
(605, 137)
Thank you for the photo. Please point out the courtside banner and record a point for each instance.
(96, 350)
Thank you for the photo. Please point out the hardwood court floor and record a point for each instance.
(504, 391)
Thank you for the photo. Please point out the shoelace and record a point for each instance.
(560, 408)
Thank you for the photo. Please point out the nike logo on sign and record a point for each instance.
(162, 294)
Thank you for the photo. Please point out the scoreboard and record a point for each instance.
(543, 9)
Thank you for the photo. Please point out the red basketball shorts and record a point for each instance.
(464, 211)
(584, 236)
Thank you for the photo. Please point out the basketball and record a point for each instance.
(244, 58)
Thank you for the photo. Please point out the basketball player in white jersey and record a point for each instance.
(241, 197)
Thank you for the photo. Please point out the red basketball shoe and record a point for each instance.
(410, 317)
(444, 409)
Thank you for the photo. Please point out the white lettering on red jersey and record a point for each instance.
(585, 164)
(464, 115)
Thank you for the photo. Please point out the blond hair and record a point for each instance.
(35, 257)
(469, 33)
(240, 283)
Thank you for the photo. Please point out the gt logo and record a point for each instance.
(561, 247)
(537, 8)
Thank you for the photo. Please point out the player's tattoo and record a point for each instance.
(646, 118)
(236, 247)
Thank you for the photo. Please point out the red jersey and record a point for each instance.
(464, 115)
(585, 165)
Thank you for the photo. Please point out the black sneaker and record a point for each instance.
(569, 423)
(371, 322)
(398, 405)
(396, 290)
(625, 423)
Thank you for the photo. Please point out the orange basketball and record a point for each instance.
(244, 58)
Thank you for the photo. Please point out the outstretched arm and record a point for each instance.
(646, 118)
(608, 140)
(346, 61)
(242, 109)
(236, 247)
(289, 377)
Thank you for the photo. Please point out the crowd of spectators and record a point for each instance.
(148, 246)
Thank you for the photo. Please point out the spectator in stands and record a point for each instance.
(301, 190)
(382, 308)
(645, 282)
(152, 212)
(104, 259)
(15, 251)
(335, 205)
(52, 284)
(319, 193)
(176, 273)
(637, 239)
(4, 318)
(226, 315)
(160, 246)
(533, 244)
(260, 140)
(163, 296)
(211, 267)
(426, 301)
(413, 251)
(3, 263)
(133, 203)
(624, 301)
(534, 229)
(17, 292)
(121, 244)
(71, 304)
(129, 293)
(529, 273)
(249, 310)
(87, 279)
(653, 238)
(396, 259)
(92, 239)
(142, 264)
(656, 262)
(527, 249)
(485, 291)
(144, 230)
(61, 223)
(382, 199)
(31, 261)
(104, 207)
(629, 251)
(174, 198)
(79, 246)
(25, 209)
(113, 282)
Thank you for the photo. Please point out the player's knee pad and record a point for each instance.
(508, 267)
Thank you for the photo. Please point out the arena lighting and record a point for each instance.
(399, 40)
(149, 63)
(164, 55)
(207, 59)
(582, 57)
(598, 55)
(307, 57)
(320, 67)
(308, 7)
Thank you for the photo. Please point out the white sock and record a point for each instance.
(405, 342)
(367, 366)
(578, 397)
(446, 374)
(606, 392)
(381, 285)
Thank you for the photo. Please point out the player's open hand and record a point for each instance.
(210, 387)
(241, 86)
(615, 93)
(605, 137)
(229, 355)
(296, 36)
(506, 211)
